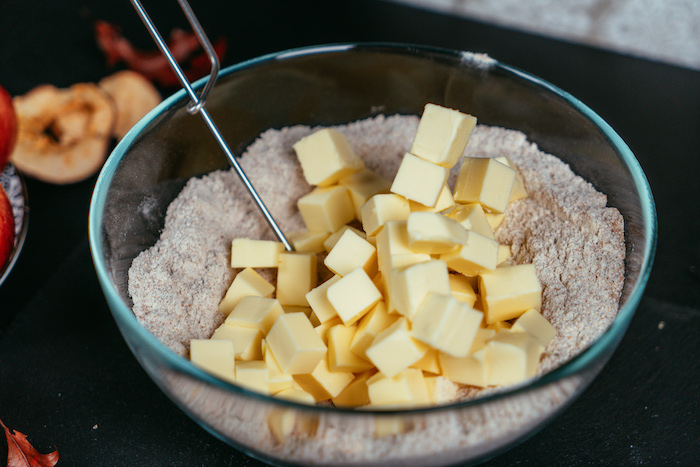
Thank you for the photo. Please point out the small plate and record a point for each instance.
(13, 183)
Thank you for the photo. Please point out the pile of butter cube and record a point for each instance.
(421, 292)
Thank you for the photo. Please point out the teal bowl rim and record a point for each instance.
(129, 323)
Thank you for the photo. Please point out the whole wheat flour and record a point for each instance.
(564, 227)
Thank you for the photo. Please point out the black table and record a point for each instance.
(67, 378)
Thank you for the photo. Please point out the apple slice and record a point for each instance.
(8, 127)
(7, 228)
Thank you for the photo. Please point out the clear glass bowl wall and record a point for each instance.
(333, 85)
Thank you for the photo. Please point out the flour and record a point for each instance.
(564, 227)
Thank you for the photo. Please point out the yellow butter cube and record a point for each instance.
(383, 208)
(340, 359)
(442, 135)
(462, 289)
(308, 241)
(296, 395)
(318, 300)
(326, 209)
(468, 369)
(472, 217)
(276, 379)
(253, 375)
(355, 394)
(511, 357)
(322, 329)
(255, 312)
(406, 388)
(446, 324)
(533, 323)
(247, 282)
(419, 180)
(476, 255)
(409, 286)
(214, 357)
(495, 219)
(362, 185)
(393, 250)
(483, 335)
(246, 340)
(374, 322)
(429, 363)
(295, 345)
(353, 296)
(296, 276)
(249, 253)
(322, 383)
(503, 255)
(352, 252)
(297, 309)
(518, 191)
(395, 349)
(444, 201)
(485, 181)
(333, 238)
(433, 233)
(326, 156)
(508, 292)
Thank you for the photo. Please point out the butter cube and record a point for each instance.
(429, 363)
(419, 180)
(433, 233)
(503, 255)
(253, 375)
(255, 312)
(362, 185)
(356, 393)
(442, 135)
(340, 359)
(511, 357)
(318, 300)
(393, 250)
(409, 286)
(518, 191)
(296, 395)
(322, 383)
(495, 219)
(326, 209)
(246, 340)
(247, 282)
(308, 241)
(276, 379)
(395, 349)
(374, 322)
(353, 296)
(483, 335)
(444, 201)
(295, 345)
(214, 357)
(326, 156)
(333, 238)
(472, 217)
(462, 289)
(468, 369)
(296, 276)
(249, 253)
(383, 208)
(476, 255)
(485, 181)
(407, 388)
(446, 324)
(508, 292)
(352, 252)
(533, 323)
(297, 309)
(322, 329)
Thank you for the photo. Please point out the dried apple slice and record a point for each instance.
(63, 133)
(133, 95)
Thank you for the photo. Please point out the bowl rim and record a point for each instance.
(610, 336)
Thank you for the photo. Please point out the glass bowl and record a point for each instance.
(13, 183)
(336, 84)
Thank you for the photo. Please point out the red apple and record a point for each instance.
(8, 127)
(7, 228)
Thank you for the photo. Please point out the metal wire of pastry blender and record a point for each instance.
(197, 102)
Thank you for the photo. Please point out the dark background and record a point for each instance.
(67, 379)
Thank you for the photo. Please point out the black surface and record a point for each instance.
(67, 378)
